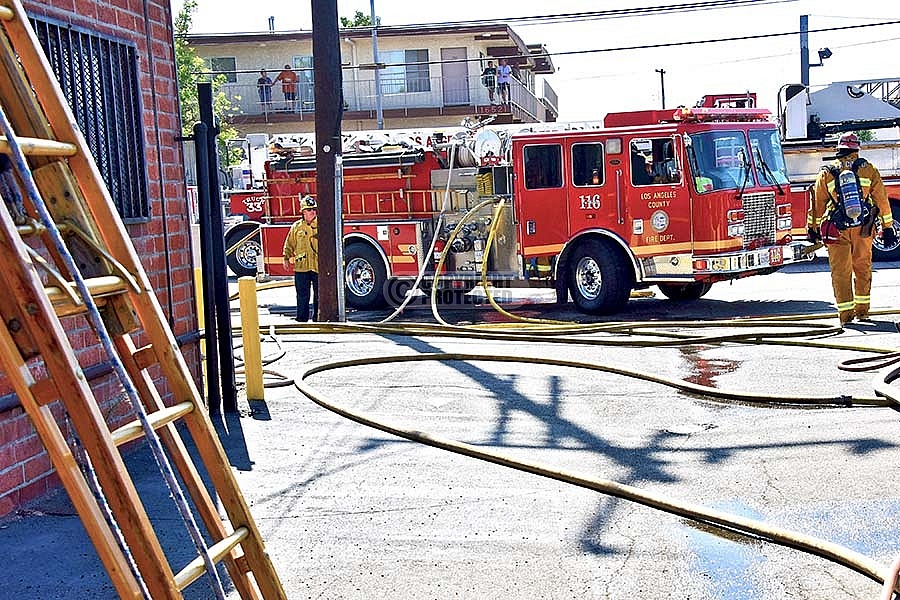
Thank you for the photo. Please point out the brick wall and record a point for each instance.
(163, 242)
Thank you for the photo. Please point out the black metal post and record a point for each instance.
(662, 86)
(329, 108)
(219, 269)
(214, 397)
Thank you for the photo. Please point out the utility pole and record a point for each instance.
(329, 108)
(662, 86)
(379, 114)
(804, 50)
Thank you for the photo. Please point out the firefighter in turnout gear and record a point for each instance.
(301, 253)
(848, 197)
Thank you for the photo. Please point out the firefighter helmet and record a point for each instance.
(308, 203)
(848, 141)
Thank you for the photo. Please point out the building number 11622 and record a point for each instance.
(589, 201)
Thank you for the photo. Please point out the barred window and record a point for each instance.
(99, 78)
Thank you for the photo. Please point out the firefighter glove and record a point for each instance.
(813, 235)
(888, 237)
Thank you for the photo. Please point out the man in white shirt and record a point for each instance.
(504, 76)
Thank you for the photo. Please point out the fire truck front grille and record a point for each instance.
(759, 219)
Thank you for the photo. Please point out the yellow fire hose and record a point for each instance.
(765, 331)
(718, 519)
(791, 330)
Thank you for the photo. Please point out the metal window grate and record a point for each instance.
(99, 78)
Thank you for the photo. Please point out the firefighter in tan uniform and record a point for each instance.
(847, 233)
(301, 253)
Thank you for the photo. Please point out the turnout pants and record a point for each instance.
(850, 259)
(303, 280)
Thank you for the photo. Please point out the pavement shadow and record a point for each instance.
(647, 464)
(231, 434)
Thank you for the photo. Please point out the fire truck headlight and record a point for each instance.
(783, 223)
(736, 230)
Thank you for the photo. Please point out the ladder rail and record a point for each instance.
(146, 305)
(117, 564)
(59, 359)
(46, 125)
(193, 482)
(18, 160)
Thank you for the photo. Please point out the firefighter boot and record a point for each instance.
(846, 316)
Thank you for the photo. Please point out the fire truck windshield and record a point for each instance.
(768, 158)
(719, 160)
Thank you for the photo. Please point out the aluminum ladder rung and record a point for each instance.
(217, 552)
(39, 147)
(134, 430)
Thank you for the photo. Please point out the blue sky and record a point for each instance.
(591, 84)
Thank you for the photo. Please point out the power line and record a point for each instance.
(721, 62)
(714, 40)
(604, 14)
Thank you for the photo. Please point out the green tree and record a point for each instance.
(192, 69)
(866, 135)
(358, 20)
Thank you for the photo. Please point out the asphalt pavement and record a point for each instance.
(349, 512)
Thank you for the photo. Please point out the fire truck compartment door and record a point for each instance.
(404, 247)
(540, 187)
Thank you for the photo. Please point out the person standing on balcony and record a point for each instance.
(288, 80)
(504, 76)
(264, 87)
(489, 79)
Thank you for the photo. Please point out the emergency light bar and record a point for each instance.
(702, 114)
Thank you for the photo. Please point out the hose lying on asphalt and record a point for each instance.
(729, 522)
(776, 331)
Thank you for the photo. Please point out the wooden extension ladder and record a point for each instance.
(65, 253)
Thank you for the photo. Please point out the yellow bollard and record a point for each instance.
(201, 323)
(250, 335)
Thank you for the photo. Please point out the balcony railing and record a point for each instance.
(404, 94)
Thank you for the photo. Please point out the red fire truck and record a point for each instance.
(679, 199)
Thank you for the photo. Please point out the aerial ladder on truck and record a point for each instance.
(67, 253)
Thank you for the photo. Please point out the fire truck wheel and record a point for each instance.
(684, 291)
(365, 277)
(242, 261)
(879, 251)
(600, 279)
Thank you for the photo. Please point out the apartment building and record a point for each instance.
(427, 76)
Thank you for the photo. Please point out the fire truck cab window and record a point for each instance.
(587, 164)
(543, 166)
(653, 162)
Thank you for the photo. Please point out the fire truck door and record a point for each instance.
(659, 203)
(542, 211)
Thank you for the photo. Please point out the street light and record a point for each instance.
(804, 51)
